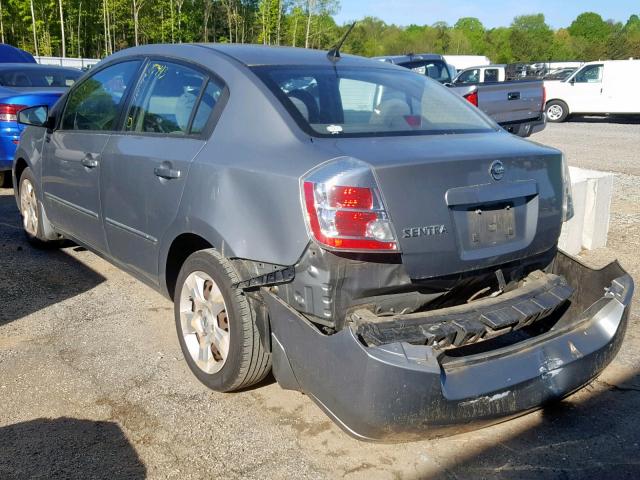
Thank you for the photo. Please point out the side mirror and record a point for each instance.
(35, 116)
(573, 81)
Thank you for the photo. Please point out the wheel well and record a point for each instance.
(21, 164)
(555, 100)
(183, 246)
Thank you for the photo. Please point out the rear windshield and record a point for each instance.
(39, 77)
(435, 69)
(328, 100)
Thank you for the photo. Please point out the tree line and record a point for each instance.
(95, 28)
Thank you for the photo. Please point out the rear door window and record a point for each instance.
(210, 98)
(94, 104)
(166, 99)
(491, 75)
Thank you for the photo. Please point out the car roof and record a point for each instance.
(35, 66)
(259, 55)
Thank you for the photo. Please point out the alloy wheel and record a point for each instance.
(204, 322)
(29, 207)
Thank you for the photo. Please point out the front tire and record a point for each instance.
(557, 111)
(31, 211)
(215, 325)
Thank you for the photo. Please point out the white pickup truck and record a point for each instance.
(517, 106)
(480, 74)
(604, 88)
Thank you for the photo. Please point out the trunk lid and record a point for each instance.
(465, 202)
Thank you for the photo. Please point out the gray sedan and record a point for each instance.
(378, 241)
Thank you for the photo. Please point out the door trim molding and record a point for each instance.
(128, 229)
(73, 206)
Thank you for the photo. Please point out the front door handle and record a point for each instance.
(166, 170)
(89, 161)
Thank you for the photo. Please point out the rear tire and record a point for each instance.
(215, 325)
(557, 111)
(31, 212)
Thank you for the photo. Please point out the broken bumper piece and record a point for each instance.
(400, 391)
(539, 296)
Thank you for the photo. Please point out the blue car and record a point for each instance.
(11, 54)
(24, 85)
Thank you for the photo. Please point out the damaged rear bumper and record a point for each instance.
(399, 391)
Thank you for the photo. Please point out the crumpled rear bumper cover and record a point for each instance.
(400, 392)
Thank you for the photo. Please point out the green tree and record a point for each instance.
(475, 33)
(531, 38)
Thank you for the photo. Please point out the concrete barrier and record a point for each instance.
(589, 227)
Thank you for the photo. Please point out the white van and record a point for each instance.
(608, 87)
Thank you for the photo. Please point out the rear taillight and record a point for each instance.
(472, 98)
(544, 98)
(9, 112)
(344, 208)
(567, 192)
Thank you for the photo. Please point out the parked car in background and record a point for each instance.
(500, 73)
(561, 74)
(607, 87)
(23, 85)
(516, 106)
(480, 74)
(11, 54)
(380, 242)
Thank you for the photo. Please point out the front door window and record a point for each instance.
(94, 104)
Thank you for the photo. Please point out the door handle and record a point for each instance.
(513, 96)
(165, 170)
(89, 161)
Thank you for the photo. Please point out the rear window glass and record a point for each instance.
(328, 100)
(40, 77)
(435, 69)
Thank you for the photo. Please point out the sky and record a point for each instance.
(492, 13)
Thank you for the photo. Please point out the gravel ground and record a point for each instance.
(92, 383)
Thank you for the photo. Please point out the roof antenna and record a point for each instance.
(334, 53)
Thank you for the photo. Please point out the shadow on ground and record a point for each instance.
(617, 119)
(594, 438)
(67, 448)
(32, 279)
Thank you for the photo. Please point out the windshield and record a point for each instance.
(326, 100)
(38, 77)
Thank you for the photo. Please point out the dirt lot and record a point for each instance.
(92, 383)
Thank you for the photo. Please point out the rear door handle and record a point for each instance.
(89, 161)
(513, 96)
(166, 170)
